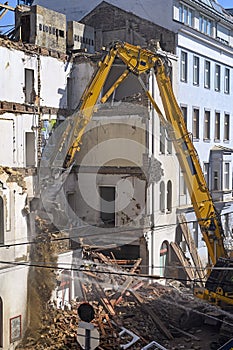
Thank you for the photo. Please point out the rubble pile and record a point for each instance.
(131, 310)
(42, 273)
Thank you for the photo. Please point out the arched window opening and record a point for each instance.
(162, 197)
(163, 258)
(1, 221)
(169, 196)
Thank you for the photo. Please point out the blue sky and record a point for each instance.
(8, 19)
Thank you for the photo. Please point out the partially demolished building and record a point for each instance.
(125, 189)
(42, 85)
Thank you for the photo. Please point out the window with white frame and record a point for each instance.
(226, 127)
(217, 77)
(207, 125)
(196, 63)
(195, 123)
(183, 188)
(207, 75)
(217, 126)
(226, 176)
(186, 15)
(227, 81)
(184, 66)
(205, 25)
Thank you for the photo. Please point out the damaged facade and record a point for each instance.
(186, 30)
(126, 189)
(195, 76)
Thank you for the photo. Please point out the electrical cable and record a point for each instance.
(155, 228)
(95, 270)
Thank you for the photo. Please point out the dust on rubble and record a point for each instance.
(168, 314)
(42, 274)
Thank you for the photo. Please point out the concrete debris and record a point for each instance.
(13, 175)
(31, 49)
(146, 312)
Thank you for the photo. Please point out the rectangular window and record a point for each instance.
(184, 68)
(183, 189)
(30, 141)
(186, 15)
(226, 176)
(207, 75)
(184, 112)
(196, 123)
(207, 125)
(196, 70)
(217, 126)
(162, 139)
(169, 145)
(217, 77)
(215, 187)
(227, 81)
(222, 33)
(226, 127)
(61, 33)
(205, 25)
(25, 28)
(107, 205)
(206, 172)
(29, 85)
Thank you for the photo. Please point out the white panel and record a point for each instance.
(6, 142)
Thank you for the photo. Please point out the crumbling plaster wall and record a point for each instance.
(53, 76)
(14, 197)
(79, 77)
(114, 140)
(50, 77)
(13, 138)
(130, 197)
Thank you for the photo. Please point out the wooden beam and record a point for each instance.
(183, 260)
(6, 6)
(200, 272)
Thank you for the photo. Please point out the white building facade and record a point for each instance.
(33, 90)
